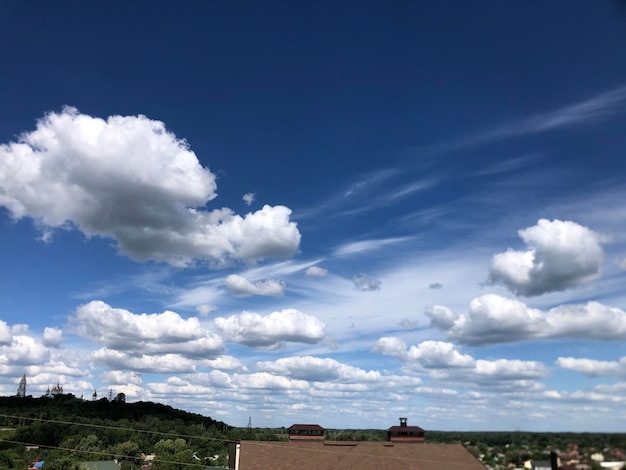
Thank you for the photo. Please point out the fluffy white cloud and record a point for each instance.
(364, 282)
(503, 374)
(130, 179)
(242, 287)
(495, 319)
(428, 354)
(23, 351)
(316, 271)
(560, 255)
(592, 320)
(606, 393)
(391, 346)
(248, 198)
(436, 392)
(225, 363)
(6, 336)
(270, 331)
(205, 309)
(157, 333)
(439, 354)
(318, 369)
(265, 381)
(119, 377)
(441, 317)
(162, 364)
(594, 368)
(52, 337)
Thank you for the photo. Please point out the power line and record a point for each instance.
(101, 453)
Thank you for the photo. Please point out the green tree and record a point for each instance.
(126, 452)
(172, 454)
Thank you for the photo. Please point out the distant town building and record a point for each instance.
(306, 431)
(405, 433)
(56, 390)
(21, 389)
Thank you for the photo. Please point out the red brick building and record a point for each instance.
(306, 432)
(405, 433)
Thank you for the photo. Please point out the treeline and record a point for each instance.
(68, 430)
(555, 440)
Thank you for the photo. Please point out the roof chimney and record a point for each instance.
(403, 422)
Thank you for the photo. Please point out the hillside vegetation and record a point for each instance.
(68, 430)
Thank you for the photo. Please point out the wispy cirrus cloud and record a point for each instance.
(597, 107)
(352, 248)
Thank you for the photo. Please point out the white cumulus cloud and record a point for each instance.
(158, 364)
(316, 271)
(52, 337)
(24, 350)
(205, 309)
(560, 255)
(118, 377)
(593, 367)
(6, 336)
(270, 331)
(248, 198)
(318, 369)
(129, 179)
(225, 363)
(428, 354)
(242, 287)
(493, 319)
(156, 333)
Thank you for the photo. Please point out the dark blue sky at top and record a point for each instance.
(286, 82)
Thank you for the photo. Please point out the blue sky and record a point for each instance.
(339, 212)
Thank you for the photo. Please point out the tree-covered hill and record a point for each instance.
(67, 430)
(66, 406)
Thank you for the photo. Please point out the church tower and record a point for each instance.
(21, 390)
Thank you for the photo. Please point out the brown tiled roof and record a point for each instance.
(305, 427)
(303, 455)
(405, 429)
